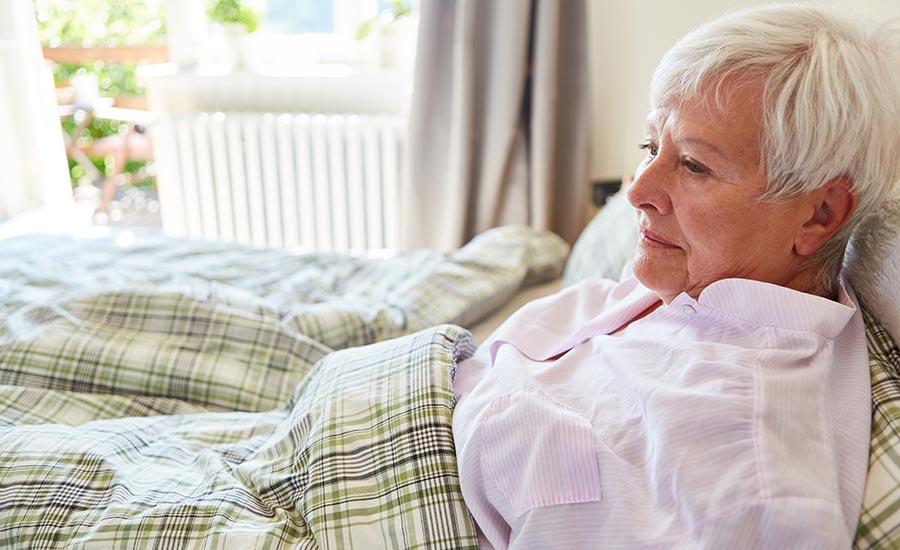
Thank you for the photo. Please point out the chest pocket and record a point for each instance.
(538, 452)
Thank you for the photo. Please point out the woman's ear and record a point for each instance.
(832, 205)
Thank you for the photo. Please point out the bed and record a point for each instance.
(179, 394)
(173, 393)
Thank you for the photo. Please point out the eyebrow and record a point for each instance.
(704, 143)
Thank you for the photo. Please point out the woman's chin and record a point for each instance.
(662, 277)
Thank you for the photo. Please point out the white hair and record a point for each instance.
(831, 100)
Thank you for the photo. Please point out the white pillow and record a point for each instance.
(606, 244)
(872, 264)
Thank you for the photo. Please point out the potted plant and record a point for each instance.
(237, 20)
(396, 33)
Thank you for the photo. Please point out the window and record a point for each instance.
(294, 34)
(310, 31)
(292, 17)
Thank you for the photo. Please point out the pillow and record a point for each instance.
(879, 523)
(872, 264)
(606, 244)
(872, 267)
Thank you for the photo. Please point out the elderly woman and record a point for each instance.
(718, 395)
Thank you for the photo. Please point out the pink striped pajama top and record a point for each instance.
(738, 420)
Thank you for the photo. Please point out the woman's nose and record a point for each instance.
(648, 191)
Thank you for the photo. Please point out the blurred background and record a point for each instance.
(97, 48)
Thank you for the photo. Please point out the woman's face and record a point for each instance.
(695, 192)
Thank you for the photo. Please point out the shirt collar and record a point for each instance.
(776, 306)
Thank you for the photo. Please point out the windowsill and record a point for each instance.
(323, 87)
(70, 218)
(218, 70)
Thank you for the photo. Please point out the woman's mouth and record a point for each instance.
(655, 241)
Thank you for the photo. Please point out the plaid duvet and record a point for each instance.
(361, 457)
(177, 394)
(226, 327)
(879, 524)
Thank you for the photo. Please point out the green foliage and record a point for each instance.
(113, 78)
(91, 23)
(233, 11)
(397, 10)
(98, 128)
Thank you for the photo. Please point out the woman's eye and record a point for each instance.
(649, 147)
(694, 167)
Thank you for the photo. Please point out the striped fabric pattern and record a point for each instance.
(879, 526)
(181, 394)
(560, 466)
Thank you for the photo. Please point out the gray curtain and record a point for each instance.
(499, 121)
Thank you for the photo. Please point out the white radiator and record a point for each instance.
(324, 182)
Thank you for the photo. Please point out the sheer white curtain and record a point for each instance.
(499, 122)
(32, 154)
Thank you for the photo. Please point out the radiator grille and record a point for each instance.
(324, 182)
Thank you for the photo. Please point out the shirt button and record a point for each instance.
(689, 311)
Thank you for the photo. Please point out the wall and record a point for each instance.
(32, 153)
(627, 39)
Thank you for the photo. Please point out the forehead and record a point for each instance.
(730, 114)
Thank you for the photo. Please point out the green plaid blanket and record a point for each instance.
(879, 523)
(123, 366)
(226, 327)
(362, 457)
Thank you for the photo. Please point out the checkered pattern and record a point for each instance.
(123, 365)
(879, 526)
(362, 457)
(227, 327)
